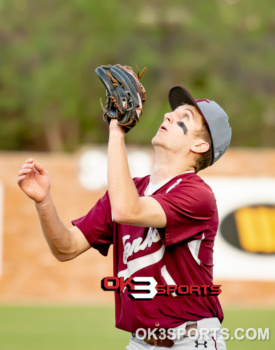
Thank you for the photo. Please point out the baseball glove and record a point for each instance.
(122, 90)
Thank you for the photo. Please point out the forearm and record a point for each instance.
(122, 191)
(56, 233)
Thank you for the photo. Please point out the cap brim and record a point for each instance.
(178, 95)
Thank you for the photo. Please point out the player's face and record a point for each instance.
(178, 130)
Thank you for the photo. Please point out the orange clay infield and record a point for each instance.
(31, 274)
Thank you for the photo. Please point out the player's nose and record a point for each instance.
(169, 117)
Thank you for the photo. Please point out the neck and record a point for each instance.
(168, 165)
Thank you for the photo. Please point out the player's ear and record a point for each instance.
(200, 146)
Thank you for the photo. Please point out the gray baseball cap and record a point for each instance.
(214, 115)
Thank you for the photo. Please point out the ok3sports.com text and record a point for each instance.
(204, 334)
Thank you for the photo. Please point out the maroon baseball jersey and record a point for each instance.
(181, 253)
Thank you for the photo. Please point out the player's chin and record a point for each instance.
(157, 140)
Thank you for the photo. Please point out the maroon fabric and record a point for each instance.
(191, 211)
(203, 99)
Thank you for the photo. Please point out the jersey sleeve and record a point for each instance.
(188, 210)
(97, 225)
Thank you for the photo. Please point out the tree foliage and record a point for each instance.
(49, 92)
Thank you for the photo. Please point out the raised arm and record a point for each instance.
(127, 207)
(65, 243)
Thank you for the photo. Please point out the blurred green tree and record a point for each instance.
(49, 93)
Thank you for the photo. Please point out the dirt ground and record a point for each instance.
(30, 274)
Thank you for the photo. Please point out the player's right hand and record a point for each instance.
(34, 180)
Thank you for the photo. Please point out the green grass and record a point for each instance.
(59, 327)
(250, 318)
(81, 328)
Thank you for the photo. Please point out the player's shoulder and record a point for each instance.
(192, 180)
(191, 183)
(199, 193)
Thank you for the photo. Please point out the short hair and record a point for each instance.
(205, 159)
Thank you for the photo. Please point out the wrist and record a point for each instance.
(44, 203)
(116, 129)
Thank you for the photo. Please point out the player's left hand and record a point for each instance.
(115, 127)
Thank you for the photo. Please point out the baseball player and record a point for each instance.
(161, 226)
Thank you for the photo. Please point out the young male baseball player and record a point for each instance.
(162, 226)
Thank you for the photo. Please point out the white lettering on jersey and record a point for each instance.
(134, 247)
(137, 264)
